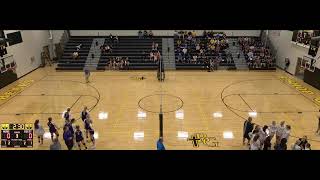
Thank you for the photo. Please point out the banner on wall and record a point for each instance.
(8, 72)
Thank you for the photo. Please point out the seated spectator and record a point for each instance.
(282, 145)
(308, 147)
(111, 38)
(108, 49)
(151, 56)
(267, 143)
(140, 34)
(179, 43)
(296, 145)
(150, 34)
(116, 40)
(145, 34)
(184, 50)
(303, 142)
(75, 55)
(194, 59)
(193, 34)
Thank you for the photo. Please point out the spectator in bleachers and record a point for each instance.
(108, 49)
(111, 38)
(145, 34)
(75, 55)
(116, 40)
(151, 56)
(140, 34)
(150, 34)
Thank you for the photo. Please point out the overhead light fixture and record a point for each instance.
(141, 114)
(138, 135)
(180, 114)
(228, 135)
(103, 115)
(47, 135)
(183, 134)
(96, 135)
(217, 115)
(253, 114)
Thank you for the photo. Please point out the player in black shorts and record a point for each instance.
(84, 113)
(89, 130)
(79, 137)
(52, 128)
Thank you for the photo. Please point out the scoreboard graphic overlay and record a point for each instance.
(16, 135)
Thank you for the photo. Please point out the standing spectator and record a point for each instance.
(39, 131)
(68, 137)
(287, 64)
(286, 132)
(280, 131)
(267, 143)
(272, 129)
(86, 73)
(247, 128)
(255, 145)
(160, 145)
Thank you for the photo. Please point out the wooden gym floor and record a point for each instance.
(213, 103)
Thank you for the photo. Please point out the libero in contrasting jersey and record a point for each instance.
(16, 135)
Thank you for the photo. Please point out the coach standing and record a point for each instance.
(247, 128)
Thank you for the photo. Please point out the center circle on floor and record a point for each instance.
(151, 103)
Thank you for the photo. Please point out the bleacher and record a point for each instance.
(200, 63)
(137, 50)
(67, 62)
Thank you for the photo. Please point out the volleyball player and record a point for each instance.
(39, 131)
(52, 128)
(68, 137)
(67, 115)
(272, 129)
(79, 137)
(89, 130)
(280, 132)
(84, 113)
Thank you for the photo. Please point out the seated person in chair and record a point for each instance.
(75, 55)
